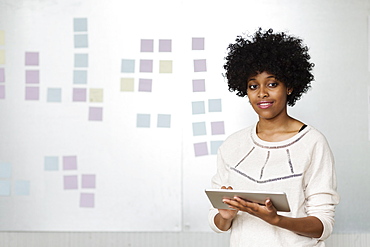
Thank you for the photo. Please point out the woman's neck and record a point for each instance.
(275, 130)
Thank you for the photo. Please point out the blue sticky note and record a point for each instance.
(79, 76)
(164, 121)
(54, 95)
(4, 188)
(198, 107)
(128, 66)
(81, 41)
(143, 121)
(199, 129)
(51, 163)
(81, 60)
(215, 146)
(22, 188)
(5, 170)
(80, 24)
(214, 105)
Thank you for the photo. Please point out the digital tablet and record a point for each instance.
(279, 199)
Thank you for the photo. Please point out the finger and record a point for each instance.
(269, 205)
(224, 188)
(229, 188)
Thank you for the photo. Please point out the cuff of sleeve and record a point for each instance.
(327, 228)
(211, 219)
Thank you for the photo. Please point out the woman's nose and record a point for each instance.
(262, 92)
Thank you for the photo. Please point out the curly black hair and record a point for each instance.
(279, 54)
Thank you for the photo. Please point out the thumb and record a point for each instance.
(269, 205)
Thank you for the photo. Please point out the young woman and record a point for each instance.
(278, 153)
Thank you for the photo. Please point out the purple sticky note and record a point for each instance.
(2, 92)
(146, 66)
(146, 45)
(198, 44)
(145, 85)
(2, 75)
(218, 128)
(70, 182)
(165, 45)
(95, 114)
(32, 76)
(69, 162)
(87, 200)
(200, 149)
(32, 93)
(79, 94)
(88, 181)
(200, 65)
(199, 85)
(32, 58)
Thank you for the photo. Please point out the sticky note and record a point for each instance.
(165, 66)
(32, 76)
(218, 128)
(5, 170)
(32, 93)
(2, 75)
(199, 85)
(214, 105)
(146, 65)
(87, 200)
(51, 163)
(32, 59)
(143, 120)
(54, 95)
(200, 149)
(80, 24)
(165, 45)
(198, 44)
(81, 60)
(22, 188)
(80, 77)
(79, 94)
(4, 188)
(88, 181)
(69, 162)
(198, 107)
(127, 84)
(215, 145)
(199, 129)
(164, 121)
(2, 92)
(145, 85)
(81, 41)
(2, 37)
(2, 57)
(200, 65)
(95, 114)
(70, 182)
(128, 66)
(146, 45)
(96, 94)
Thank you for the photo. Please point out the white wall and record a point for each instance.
(160, 161)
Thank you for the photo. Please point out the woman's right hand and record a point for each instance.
(227, 214)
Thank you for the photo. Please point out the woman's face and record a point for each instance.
(267, 96)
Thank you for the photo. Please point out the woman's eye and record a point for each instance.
(273, 84)
(252, 87)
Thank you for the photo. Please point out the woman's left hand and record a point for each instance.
(266, 212)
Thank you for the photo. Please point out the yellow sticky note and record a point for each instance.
(165, 66)
(2, 37)
(96, 95)
(127, 84)
(2, 56)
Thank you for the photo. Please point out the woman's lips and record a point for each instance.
(264, 104)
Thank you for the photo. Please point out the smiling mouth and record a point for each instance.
(264, 105)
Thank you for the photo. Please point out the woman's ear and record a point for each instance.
(289, 91)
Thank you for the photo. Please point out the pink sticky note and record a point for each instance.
(79, 94)
(88, 181)
(199, 85)
(146, 65)
(218, 128)
(200, 65)
(32, 76)
(165, 45)
(95, 114)
(87, 200)
(146, 45)
(69, 162)
(32, 58)
(198, 44)
(200, 149)
(145, 85)
(2, 92)
(70, 182)
(2, 75)
(32, 93)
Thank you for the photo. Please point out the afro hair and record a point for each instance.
(276, 53)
